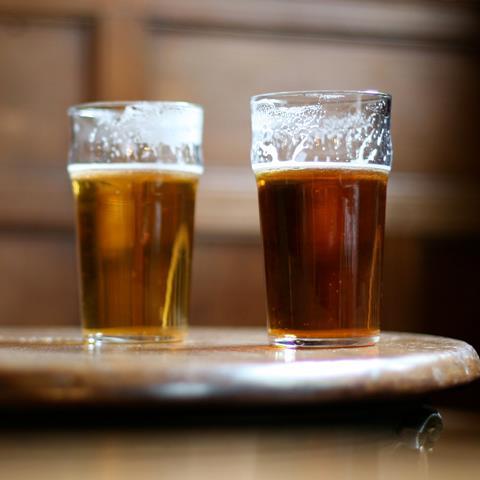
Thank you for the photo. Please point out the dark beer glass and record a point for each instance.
(321, 161)
(134, 169)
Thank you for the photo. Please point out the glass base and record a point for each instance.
(291, 341)
(95, 337)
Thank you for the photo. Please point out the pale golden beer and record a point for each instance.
(134, 169)
(135, 231)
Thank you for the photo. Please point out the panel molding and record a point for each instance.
(418, 204)
(407, 21)
(402, 22)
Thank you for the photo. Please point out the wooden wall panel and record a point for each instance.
(228, 283)
(38, 281)
(450, 289)
(35, 197)
(433, 117)
(403, 285)
(44, 69)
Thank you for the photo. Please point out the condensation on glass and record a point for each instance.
(321, 161)
(134, 168)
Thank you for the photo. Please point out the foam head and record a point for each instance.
(321, 128)
(167, 133)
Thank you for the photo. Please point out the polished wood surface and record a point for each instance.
(228, 366)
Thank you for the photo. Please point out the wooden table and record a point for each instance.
(226, 366)
(226, 405)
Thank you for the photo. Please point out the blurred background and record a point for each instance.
(54, 53)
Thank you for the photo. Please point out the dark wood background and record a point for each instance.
(54, 53)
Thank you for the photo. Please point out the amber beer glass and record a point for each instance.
(134, 169)
(321, 161)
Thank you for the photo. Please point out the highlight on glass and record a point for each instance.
(321, 161)
(134, 168)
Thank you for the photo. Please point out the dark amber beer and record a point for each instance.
(135, 232)
(323, 232)
(321, 160)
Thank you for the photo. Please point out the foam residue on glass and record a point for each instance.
(326, 133)
(141, 135)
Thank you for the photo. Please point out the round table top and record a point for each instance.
(223, 365)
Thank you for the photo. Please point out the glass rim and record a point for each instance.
(78, 109)
(326, 96)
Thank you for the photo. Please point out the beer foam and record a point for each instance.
(293, 165)
(144, 132)
(321, 132)
(78, 168)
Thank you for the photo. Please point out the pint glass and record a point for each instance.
(134, 169)
(321, 161)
